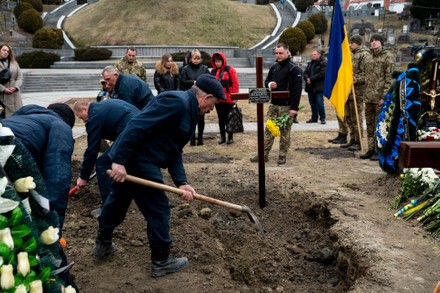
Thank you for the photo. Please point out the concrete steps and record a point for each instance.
(240, 62)
(90, 81)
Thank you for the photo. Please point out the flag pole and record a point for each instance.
(357, 118)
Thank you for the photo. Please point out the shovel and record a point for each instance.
(75, 189)
(225, 204)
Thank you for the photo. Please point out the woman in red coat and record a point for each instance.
(227, 75)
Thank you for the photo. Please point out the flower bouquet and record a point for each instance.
(415, 182)
(275, 126)
(429, 134)
(424, 184)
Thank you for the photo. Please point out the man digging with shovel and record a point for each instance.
(152, 140)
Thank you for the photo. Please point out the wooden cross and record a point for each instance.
(260, 127)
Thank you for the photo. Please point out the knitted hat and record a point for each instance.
(210, 85)
(377, 37)
(64, 111)
(357, 39)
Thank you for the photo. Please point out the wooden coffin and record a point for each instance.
(419, 154)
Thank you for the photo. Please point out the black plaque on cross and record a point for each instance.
(260, 95)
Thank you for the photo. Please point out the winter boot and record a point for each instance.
(103, 248)
(341, 140)
(103, 244)
(230, 138)
(163, 264)
(200, 139)
(222, 139)
(336, 138)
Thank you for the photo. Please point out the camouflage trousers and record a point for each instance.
(372, 111)
(273, 112)
(343, 129)
(350, 119)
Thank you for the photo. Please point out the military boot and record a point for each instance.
(281, 160)
(341, 140)
(255, 159)
(355, 147)
(336, 138)
(348, 144)
(163, 264)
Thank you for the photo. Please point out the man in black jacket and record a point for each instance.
(314, 76)
(284, 75)
(104, 120)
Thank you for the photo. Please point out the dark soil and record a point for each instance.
(326, 222)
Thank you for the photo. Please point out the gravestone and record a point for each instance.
(415, 25)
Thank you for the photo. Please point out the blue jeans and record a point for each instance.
(316, 101)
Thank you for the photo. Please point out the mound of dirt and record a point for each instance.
(326, 222)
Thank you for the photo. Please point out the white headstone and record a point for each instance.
(405, 29)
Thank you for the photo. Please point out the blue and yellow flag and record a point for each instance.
(339, 72)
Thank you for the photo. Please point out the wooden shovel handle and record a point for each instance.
(175, 190)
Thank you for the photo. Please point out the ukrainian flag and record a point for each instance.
(339, 72)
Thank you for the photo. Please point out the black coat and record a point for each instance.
(317, 77)
(288, 77)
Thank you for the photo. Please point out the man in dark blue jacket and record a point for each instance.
(104, 120)
(47, 135)
(152, 140)
(127, 87)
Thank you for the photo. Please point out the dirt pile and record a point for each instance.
(327, 227)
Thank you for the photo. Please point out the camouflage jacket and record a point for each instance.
(379, 68)
(359, 58)
(135, 68)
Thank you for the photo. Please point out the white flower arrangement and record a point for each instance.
(431, 134)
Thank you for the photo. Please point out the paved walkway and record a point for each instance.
(46, 98)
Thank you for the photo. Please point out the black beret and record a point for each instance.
(65, 112)
(210, 85)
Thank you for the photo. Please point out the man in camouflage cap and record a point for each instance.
(129, 64)
(377, 82)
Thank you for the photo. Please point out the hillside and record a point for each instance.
(176, 22)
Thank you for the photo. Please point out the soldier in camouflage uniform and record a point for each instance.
(377, 82)
(129, 65)
(284, 75)
(359, 57)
